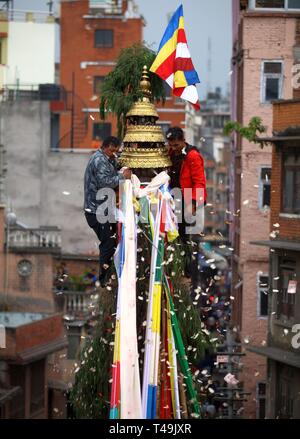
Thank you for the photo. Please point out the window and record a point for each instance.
(262, 290)
(221, 179)
(37, 382)
(285, 383)
(221, 217)
(74, 339)
(291, 183)
(101, 130)
(294, 4)
(275, 4)
(210, 194)
(97, 3)
(272, 80)
(286, 300)
(18, 378)
(261, 400)
(104, 38)
(209, 172)
(264, 198)
(98, 81)
(54, 130)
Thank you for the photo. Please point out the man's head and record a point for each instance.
(111, 146)
(176, 140)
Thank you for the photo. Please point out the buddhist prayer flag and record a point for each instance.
(173, 62)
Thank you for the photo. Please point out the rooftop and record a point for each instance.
(277, 354)
(28, 16)
(16, 319)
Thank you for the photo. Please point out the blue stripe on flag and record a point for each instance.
(149, 402)
(191, 77)
(172, 27)
(154, 402)
(114, 413)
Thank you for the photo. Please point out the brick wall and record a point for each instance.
(286, 114)
(77, 45)
(264, 37)
(76, 267)
(254, 332)
(35, 292)
(31, 335)
(297, 58)
(2, 232)
(39, 333)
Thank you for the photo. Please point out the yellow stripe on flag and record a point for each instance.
(167, 49)
(165, 52)
(179, 79)
(156, 308)
(170, 352)
(117, 343)
(181, 23)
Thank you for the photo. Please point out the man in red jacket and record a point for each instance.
(188, 174)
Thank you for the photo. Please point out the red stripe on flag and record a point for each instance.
(183, 64)
(178, 92)
(181, 37)
(167, 67)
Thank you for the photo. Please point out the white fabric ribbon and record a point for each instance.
(131, 404)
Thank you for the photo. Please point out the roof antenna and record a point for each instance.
(50, 5)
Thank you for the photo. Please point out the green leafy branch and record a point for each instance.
(249, 132)
(120, 88)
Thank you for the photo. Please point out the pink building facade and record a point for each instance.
(262, 71)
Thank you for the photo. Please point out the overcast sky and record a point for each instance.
(204, 20)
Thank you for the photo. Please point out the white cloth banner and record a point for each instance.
(159, 180)
(131, 404)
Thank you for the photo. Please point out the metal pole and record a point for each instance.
(6, 263)
(72, 111)
(230, 368)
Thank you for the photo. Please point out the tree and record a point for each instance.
(120, 88)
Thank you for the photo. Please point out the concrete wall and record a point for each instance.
(37, 176)
(31, 53)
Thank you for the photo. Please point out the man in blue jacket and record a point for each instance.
(101, 173)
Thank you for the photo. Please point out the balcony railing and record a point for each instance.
(78, 304)
(33, 92)
(27, 16)
(107, 6)
(44, 238)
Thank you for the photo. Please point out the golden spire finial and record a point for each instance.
(145, 85)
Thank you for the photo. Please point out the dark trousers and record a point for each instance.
(192, 250)
(107, 235)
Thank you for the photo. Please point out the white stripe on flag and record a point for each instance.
(170, 81)
(190, 94)
(182, 51)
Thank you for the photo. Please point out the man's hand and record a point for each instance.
(127, 173)
(190, 209)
